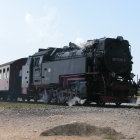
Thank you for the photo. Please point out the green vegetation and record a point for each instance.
(10, 105)
(138, 93)
(111, 138)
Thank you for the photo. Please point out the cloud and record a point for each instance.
(44, 29)
(28, 18)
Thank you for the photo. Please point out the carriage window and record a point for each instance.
(7, 75)
(0, 74)
(4, 74)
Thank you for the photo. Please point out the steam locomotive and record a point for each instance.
(99, 71)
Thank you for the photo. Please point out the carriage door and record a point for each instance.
(37, 64)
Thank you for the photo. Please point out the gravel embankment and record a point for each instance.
(28, 123)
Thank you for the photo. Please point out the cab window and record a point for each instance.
(36, 61)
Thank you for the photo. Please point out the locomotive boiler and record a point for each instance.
(99, 71)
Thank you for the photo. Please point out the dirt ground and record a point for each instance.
(28, 124)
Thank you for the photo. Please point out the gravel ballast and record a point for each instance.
(29, 123)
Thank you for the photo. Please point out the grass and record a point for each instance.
(138, 93)
(12, 105)
(111, 138)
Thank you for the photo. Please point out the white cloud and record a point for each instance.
(42, 30)
(28, 18)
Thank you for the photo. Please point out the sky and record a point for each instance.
(27, 25)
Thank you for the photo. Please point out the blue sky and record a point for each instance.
(26, 25)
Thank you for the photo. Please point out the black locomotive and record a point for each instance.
(100, 72)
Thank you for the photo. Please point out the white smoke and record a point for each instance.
(79, 41)
(86, 44)
(45, 97)
(138, 101)
(133, 100)
(89, 43)
(75, 100)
